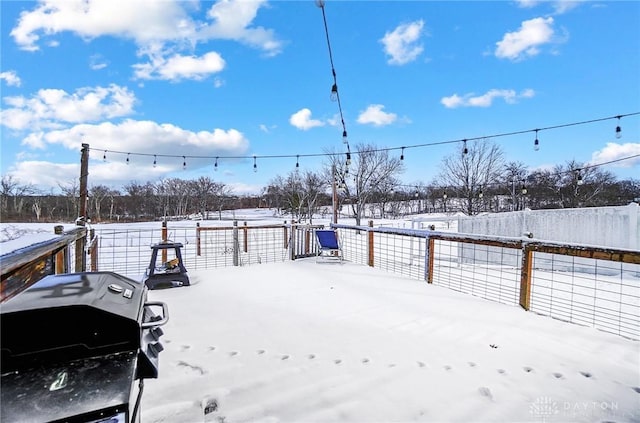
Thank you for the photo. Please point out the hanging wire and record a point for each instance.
(402, 148)
(335, 94)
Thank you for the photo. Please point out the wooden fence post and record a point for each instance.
(198, 250)
(525, 277)
(246, 237)
(286, 235)
(236, 244)
(164, 239)
(370, 232)
(430, 254)
(292, 243)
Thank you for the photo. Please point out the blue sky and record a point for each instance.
(234, 79)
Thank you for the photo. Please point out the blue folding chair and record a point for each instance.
(328, 245)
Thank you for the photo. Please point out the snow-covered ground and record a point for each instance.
(327, 342)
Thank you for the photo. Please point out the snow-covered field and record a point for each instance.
(328, 342)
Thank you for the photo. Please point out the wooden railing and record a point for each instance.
(63, 254)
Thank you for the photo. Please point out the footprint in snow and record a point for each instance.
(185, 347)
(365, 361)
(448, 368)
(472, 364)
(260, 352)
(420, 364)
(311, 356)
(233, 353)
(485, 392)
(586, 374)
(502, 371)
(558, 375)
(337, 361)
(636, 388)
(285, 357)
(528, 369)
(211, 348)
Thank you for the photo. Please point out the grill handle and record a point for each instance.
(164, 318)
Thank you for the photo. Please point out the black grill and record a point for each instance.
(72, 346)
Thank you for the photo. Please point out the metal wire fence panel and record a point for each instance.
(479, 270)
(604, 294)
(354, 245)
(263, 245)
(401, 254)
(217, 248)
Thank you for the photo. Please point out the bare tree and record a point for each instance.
(468, 172)
(71, 191)
(97, 194)
(204, 189)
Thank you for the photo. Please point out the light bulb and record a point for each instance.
(334, 93)
(618, 132)
(344, 137)
(480, 194)
(536, 143)
(184, 163)
(215, 165)
(155, 161)
(465, 150)
(402, 154)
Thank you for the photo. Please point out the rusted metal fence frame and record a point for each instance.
(366, 240)
(23, 267)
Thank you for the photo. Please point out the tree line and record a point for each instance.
(471, 180)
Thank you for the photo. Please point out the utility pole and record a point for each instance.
(84, 177)
(334, 196)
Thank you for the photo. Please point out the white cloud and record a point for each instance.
(145, 22)
(218, 82)
(559, 6)
(178, 67)
(376, 116)
(146, 136)
(11, 78)
(302, 120)
(486, 99)
(402, 44)
(527, 4)
(614, 151)
(49, 108)
(97, 62)
(527, 40)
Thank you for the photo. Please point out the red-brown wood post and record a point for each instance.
(307, 238)
(246, 237)
(94, 257)
(198, 250)
(164, 239)
(370, 243)
(525, 277)
(60, 267)
(286, 235)
(430, 254)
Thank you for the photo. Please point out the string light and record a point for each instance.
(480, 194)
(128, 158)
(618, 129)
(184, 163)
(155, 161)
(465, 150)
(402, 154)
(536, 143)
(430, 144)
(215, 165)
(104, 156)
(579, 181)
(523, 190)
(444, 195)
(334, 93)
(297, 162)
(348, 162)
(344, 137)
(255, 164)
